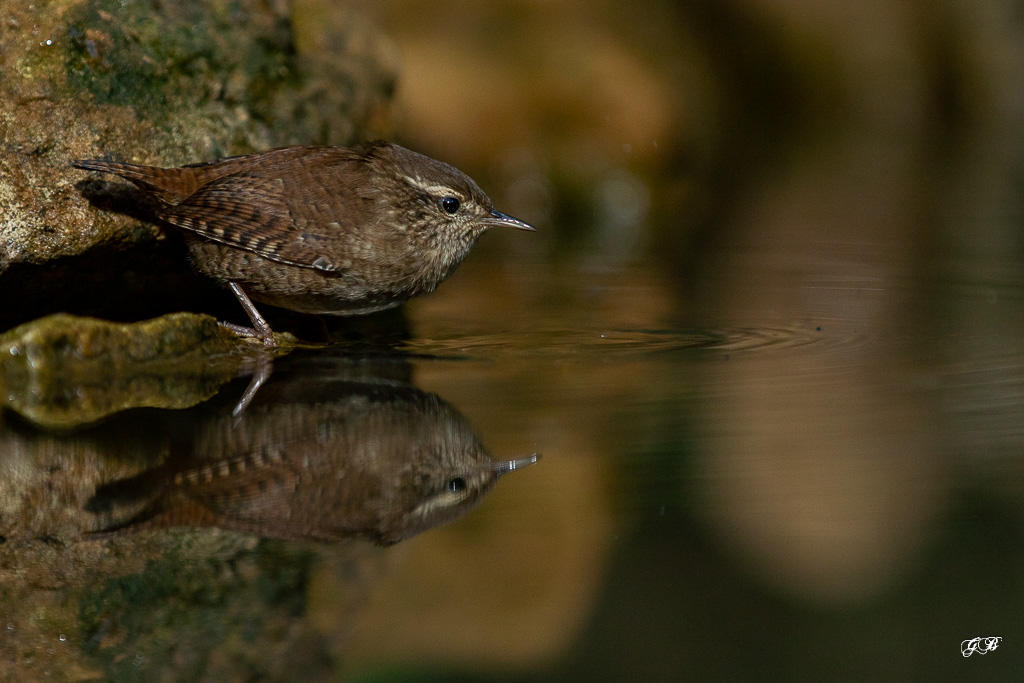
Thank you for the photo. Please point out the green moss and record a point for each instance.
(64, 371)
(151, 56)
(192, 617)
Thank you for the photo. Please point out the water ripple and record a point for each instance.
(614, 343)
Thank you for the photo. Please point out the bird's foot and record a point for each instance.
(267, 335)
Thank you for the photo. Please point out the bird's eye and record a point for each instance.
(457, 485)
(450, 204)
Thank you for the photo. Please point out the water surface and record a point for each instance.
(770, 496)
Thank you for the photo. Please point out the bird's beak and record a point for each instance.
(506, 466)
(498, 219)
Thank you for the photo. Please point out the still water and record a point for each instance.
(824, 486)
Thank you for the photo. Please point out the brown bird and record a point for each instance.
(321, 460)
(323, 230)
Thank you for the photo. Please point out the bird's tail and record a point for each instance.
(171, 185)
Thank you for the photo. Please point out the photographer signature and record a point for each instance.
(980, 645)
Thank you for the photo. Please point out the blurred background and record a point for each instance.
(835, 490)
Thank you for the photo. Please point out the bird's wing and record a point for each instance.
(260, 215)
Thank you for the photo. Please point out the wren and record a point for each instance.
(321, 230)
(320, 459)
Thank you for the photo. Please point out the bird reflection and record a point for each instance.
(324, 458)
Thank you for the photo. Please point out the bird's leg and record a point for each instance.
(259, 328)
(260, 374)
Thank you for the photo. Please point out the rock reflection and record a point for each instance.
(317, 457)
(328, 449)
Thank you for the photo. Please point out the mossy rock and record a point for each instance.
(64, 371)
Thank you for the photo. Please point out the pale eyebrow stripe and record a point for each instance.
(432, 188)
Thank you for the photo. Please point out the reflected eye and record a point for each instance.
(450, 204)
(457, 485)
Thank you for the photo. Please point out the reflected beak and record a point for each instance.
(499, 219)
(507, 466)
